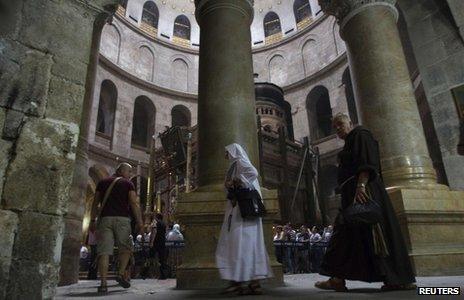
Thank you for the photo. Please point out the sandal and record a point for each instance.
(232, 289)
(331, 285)
(254, 289)
(102, 289)
(398, 287)
(123, 282)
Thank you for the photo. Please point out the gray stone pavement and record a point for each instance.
(296, 287)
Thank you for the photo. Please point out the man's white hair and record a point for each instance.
(341, 117)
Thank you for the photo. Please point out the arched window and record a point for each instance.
(349, 93)
(107, 108)
(302, 10)
(181, 116)
(143, 122)
(182, 27)
(319, 113)
(271, 24)
(150, 14)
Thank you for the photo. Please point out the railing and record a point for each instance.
(304, 23)
(300, 257)
(121, 11)
(276, 37)
(140, 255)
(295, 257)
(148, 29)
(180, 41)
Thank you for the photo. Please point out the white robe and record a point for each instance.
(241, 253)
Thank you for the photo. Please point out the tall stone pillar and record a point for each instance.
(69, 271)
(384, 92)
(226, 114)
(226, 92)
(44, 65)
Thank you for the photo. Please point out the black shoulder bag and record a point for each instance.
(250, 203)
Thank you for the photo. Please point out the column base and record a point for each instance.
(202, 214)
(432, 222)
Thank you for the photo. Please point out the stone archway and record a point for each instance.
(47, 75)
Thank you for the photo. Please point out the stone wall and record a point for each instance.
(151, 60)
(129, 88)
(439, 49)
(310, 58)
(43, 67)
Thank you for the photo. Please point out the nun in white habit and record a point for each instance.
(241, 255)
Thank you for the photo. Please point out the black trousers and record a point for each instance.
(92, 274)
(161, 253)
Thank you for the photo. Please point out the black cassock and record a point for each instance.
(352, 253)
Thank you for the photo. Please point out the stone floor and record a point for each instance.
(296, 287)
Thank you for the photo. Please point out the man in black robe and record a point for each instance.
(354, 251)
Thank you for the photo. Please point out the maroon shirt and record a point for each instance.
(117, 204)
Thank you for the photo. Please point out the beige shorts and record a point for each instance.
(111, 230)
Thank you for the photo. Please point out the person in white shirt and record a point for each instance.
(327, 233)
(279, 235)
(84, 252)
(315, 236)
(174, 234)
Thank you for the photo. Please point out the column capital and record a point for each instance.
(203, 7)
(344, 10)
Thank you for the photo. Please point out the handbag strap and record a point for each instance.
(107, 195)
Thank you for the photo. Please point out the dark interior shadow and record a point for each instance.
(364, 290)
(94, 294)
(95, 286)
(202, 294)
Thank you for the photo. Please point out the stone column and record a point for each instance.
(384, 92)
(383, 89)
(226, 114)
(69, 271)
(44, 67)
(226, 95)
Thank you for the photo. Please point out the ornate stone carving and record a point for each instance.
(340, 9)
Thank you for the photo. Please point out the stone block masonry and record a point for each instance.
(45, 49)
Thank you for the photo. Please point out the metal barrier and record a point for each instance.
(141, 254)
(296, 257)
(173, 257)
(300, 257)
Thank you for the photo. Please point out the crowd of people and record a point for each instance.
(303, 234)
(364, 244)
(144, 251)
(301, 250)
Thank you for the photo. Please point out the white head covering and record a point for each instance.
(241, 167)
(175, 234)
(236, 152)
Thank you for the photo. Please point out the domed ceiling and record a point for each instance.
(274, 20)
